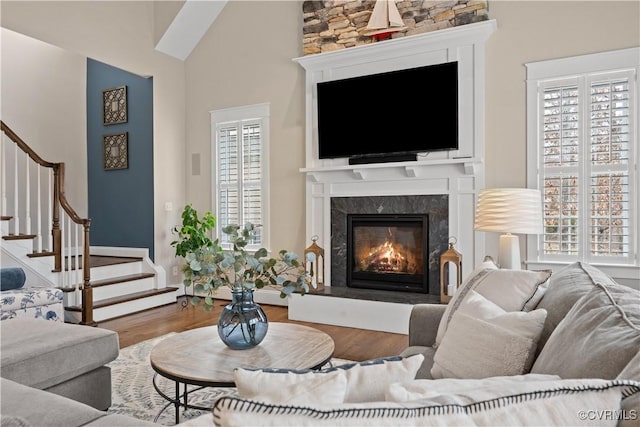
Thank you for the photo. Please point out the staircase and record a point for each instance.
(121, 285)
(52, 244)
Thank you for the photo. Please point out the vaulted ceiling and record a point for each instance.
(191, 22)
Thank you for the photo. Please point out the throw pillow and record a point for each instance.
(483, 340)
(368, 381)
(512, 290)
(290, 386)
(563, 402)
(365, 381)
(566, 287)
(599, 336)
(11, 278)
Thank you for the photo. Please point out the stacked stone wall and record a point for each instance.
(338, 24)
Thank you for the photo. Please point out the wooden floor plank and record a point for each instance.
(351, 343)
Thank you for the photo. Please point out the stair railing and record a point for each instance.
(26, 174)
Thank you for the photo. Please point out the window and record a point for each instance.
(583, 156)
(240, 146)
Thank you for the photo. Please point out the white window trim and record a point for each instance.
(255, 112)
(572, 67)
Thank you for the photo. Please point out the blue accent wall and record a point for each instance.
(120, 201)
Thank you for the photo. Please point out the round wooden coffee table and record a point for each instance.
(198, 357)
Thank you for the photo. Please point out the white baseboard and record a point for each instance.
(352, 313)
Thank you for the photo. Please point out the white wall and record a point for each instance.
(245, 58)
(532, 31)
(121, 34)
(43, 95)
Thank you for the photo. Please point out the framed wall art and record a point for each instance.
(115, 151)
(114, 105)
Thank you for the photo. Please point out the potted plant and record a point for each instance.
(242, 323)
(193, 234)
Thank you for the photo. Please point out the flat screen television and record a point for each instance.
(384, 117)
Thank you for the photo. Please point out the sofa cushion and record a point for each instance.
(566, 286)
(42, 354)
(511, 290)
(11, 278)
(484, 388)
(560, 402)
(41, 408)
(598, 337)
(501, 342)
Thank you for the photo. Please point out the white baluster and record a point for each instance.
(77, 275)
(16, 219)
(50, 209)
(27, 202)
(63, 267)
(39, 213)
(3, 201)
(69, 253)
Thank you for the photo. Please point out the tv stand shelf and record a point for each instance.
(409, 169)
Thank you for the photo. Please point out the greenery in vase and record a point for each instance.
(209, 267)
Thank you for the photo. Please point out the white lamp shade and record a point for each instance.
(509, 210)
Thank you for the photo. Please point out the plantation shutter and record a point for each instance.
(239, 160)
(228, 178)
(251, 176)
(609, 204)
(586, 168)
(560, 165)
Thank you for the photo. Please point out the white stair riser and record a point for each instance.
(110, 291)
(109, 271)
(117, 289)
(134, 306)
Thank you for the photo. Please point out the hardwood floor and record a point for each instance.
(351, 343)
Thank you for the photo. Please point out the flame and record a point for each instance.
(384, 257)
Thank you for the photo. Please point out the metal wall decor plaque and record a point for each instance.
(115, 151)
(114, 105)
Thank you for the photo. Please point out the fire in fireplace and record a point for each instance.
(387, 252)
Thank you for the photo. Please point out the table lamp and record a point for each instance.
(509, 210)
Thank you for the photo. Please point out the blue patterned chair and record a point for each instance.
(35, 302)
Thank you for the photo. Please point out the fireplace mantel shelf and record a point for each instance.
(410, 169)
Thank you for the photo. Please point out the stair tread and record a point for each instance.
(125, 298)
(99, 261)
(19, 236)
(121, 279)
(40, 254)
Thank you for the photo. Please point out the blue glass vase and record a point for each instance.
(242, 323)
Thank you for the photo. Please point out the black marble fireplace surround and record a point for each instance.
(436, 207)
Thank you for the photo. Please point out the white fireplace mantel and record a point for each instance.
(458, 174)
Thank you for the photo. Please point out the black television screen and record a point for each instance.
(407, 111)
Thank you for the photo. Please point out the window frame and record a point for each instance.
(582, 71)
(256, 113)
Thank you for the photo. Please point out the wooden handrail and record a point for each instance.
(60, 199)
(24, 147)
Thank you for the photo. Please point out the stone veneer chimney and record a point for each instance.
(338, 24)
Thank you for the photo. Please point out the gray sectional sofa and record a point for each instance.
(592, 330)
(54, 374)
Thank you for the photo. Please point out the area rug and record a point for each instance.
(133, 393)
